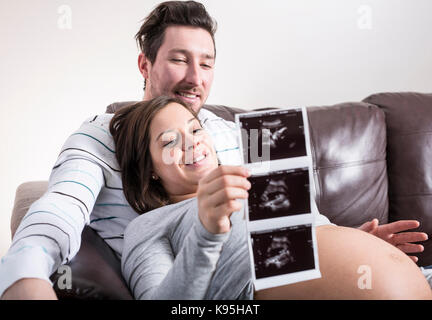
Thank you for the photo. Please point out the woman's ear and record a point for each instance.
(154, 176)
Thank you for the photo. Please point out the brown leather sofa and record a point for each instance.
(372, 159)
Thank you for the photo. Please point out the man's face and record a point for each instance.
(183, 67)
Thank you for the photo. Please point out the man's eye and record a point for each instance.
(178, 60)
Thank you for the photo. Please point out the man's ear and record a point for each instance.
(143, 65)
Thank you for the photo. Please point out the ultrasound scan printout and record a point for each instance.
(282, 132)
(279, 194)
(280, 219)
(282, 251)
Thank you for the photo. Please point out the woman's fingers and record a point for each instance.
(225, 195)
(229, 207)
(217, 194)
(225, 170)
(224, 182)
(216, 219)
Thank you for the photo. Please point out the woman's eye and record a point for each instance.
(170, 143)
(197, 130)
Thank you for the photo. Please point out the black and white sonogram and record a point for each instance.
(273, 136)
(278, 194)
(283, 251)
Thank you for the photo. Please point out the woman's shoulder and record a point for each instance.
(162, 216)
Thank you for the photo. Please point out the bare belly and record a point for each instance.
(356, 265)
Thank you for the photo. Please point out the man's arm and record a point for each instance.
(30, 289)
(395, 234)
(50, 233)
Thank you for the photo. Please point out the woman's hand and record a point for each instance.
(217, 194)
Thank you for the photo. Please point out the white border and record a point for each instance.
(287, 221)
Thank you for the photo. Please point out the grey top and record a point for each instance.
(168, 254)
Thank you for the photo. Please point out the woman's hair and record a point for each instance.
(130, 128)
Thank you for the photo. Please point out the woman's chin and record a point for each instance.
(199, 174)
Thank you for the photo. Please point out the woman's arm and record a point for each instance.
(148, 262)
(152, 271)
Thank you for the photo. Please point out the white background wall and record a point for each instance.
(63, 61)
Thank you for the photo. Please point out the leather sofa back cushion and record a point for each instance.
(348, 143)
(409, 158)
(348, 148)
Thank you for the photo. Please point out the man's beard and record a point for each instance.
(173, 93)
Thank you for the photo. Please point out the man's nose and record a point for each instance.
(193, 74)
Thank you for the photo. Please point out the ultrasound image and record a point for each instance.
(283, 251)
(280, 132)
(279, 194)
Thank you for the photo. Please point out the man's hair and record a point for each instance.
(172, 13)
(130, 128)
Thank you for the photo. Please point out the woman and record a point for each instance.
(191, 241)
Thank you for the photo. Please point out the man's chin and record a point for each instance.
(194, 105)
(197, 107)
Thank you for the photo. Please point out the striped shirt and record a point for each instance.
(85, 188)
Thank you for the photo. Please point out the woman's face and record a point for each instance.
(181, 150)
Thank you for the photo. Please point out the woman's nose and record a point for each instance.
(191, 142)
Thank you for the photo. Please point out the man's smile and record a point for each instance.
(188, 96)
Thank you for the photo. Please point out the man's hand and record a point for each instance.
(390, 232)
(30, 289)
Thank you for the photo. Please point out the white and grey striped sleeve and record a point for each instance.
(50, 232)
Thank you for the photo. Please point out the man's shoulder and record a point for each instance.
(103, 119)
(213, 122)
(207, 114)
(92, 138)
(97, 125)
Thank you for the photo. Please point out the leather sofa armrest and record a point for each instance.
(95, 273)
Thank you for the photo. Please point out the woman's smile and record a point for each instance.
(199, 160)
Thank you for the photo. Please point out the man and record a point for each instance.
(177, 59)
